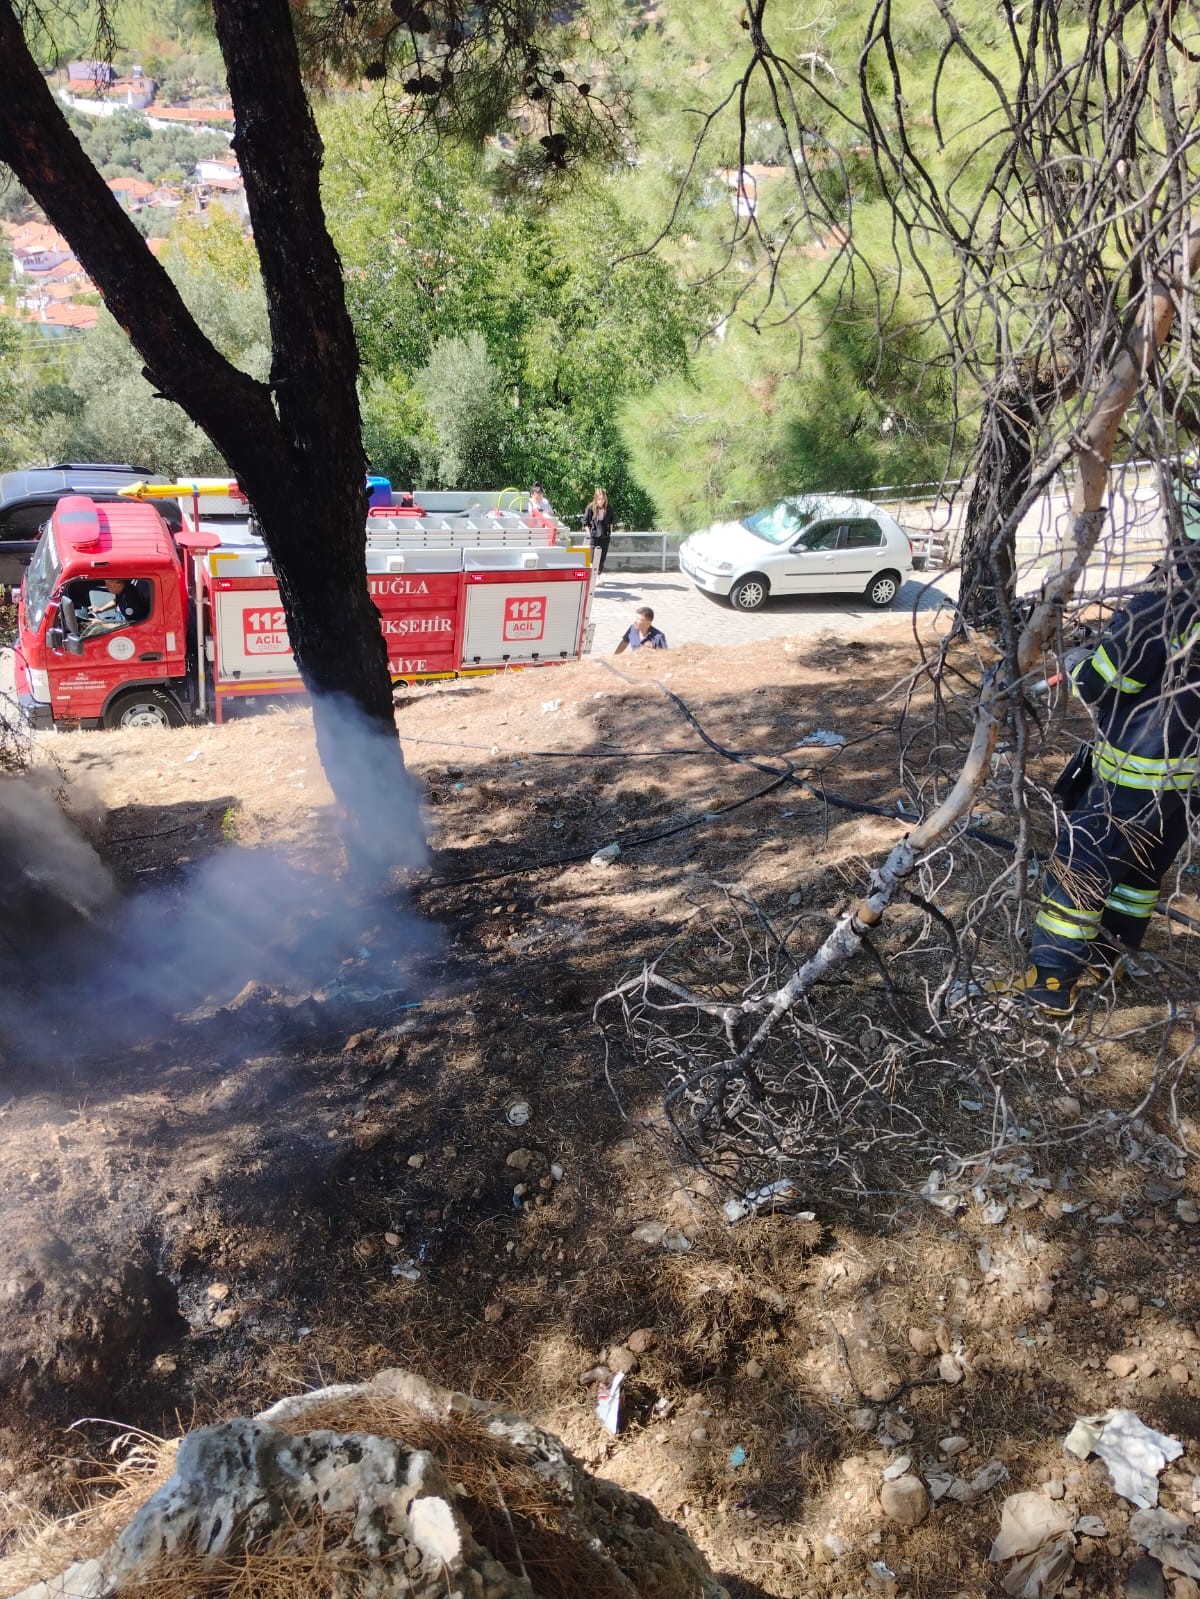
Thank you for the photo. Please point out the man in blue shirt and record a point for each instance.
(642, 633)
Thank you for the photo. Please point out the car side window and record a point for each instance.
(824, 536)
(25, 521)
(99, 610)
(863, 535)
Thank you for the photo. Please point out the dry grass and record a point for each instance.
(42, 1548)
(508, 1507)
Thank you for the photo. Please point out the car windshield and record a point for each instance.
(41, 578)
(781, 523)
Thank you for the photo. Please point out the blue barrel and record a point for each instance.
(380, 492)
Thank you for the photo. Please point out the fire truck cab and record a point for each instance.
(104, 620)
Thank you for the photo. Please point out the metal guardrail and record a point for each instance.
(662, 540)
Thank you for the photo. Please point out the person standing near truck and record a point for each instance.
(598, 525)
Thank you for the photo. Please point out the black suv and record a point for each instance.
(27, 500)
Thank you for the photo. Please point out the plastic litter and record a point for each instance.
(608, 1404)
(518, 1112)
(822, 738)
(750, 1202)
(1165, 1536)
(408, 1269)
(1035, 1532)
(607, 855)
(550, 706)
(737, 1457)
(1133, 1452)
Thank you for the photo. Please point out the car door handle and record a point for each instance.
(151, 655)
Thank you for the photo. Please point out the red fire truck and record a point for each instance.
(122, 623)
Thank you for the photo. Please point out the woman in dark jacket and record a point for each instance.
(598, 524)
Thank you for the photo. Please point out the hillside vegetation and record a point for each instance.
(727, 314)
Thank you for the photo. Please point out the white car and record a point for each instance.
(812, 544)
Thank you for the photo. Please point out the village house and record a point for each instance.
(198, 118)
(37, 248)
(745, 182)
(94, 88)
(133, 193)
(219, 182)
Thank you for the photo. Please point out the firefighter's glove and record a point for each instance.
(1075, 658)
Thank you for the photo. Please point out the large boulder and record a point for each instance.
(386, 1489)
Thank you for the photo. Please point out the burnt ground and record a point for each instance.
(255, 1135)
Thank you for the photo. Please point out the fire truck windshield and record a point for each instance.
(41, 578)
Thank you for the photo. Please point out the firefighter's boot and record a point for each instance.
(1106, 962)
(1040, 988)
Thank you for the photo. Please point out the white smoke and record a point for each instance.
(130, 968)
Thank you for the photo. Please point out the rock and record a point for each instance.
(1130, 1305)
(956, 1445)
(985, 1479)
(249, 995)
(1145, 1580)
(1185, 1588)
(250, 1494)
(391, 1238)
(923, 1342)
(864, 1419)
(641, 1340)
(949, 1369)
(1178, 1373)
(1054, 1488)
(755, 1370)
(494, 1312)
(699, 1435)
(897, 1468)
(521, 1159)
(1099, 1299)
(650, 1232)
(1188, 1212)
(224, 1319)
(943, 1337)
(1121, 1365)
(1043, 1298)
(905, 1501)
(418, 1160)
(879, 1390)
(217, 1292)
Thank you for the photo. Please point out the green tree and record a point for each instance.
(469, 411)
(445, 251)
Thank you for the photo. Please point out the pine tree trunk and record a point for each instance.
(295, 443)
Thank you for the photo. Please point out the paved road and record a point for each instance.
(687, 616)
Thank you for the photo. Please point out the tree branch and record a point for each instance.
(37, 143)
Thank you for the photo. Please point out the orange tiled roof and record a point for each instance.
(34, 236)
(135, 188)
(192, 113)
(70, 316)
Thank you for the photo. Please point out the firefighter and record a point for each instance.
(1142, 683)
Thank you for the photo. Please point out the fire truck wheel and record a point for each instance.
(144, 707)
